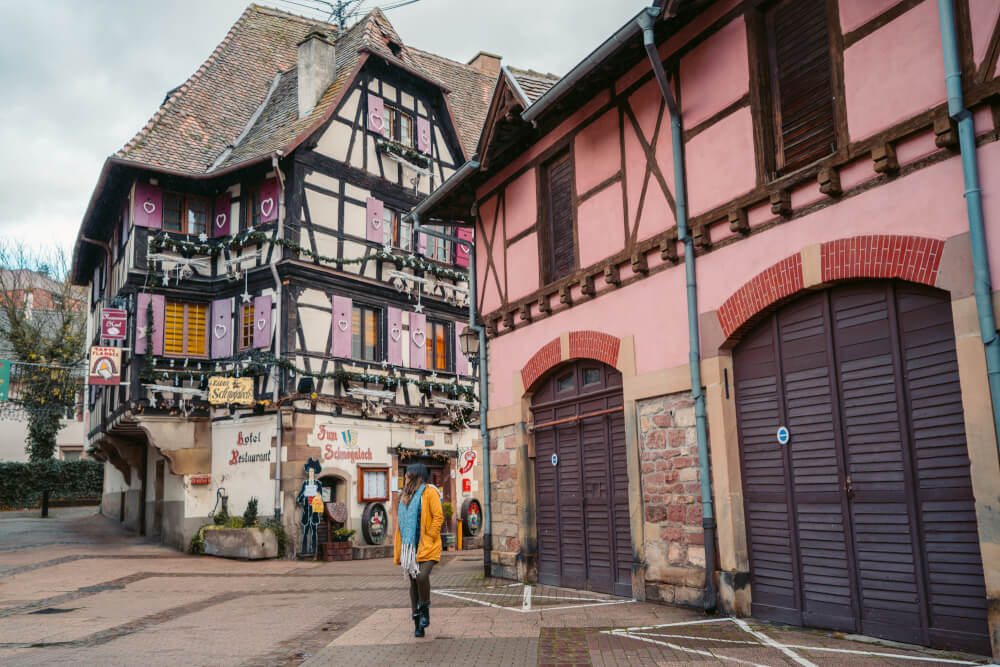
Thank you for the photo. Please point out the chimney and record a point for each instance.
(486, 62)
(317, 67)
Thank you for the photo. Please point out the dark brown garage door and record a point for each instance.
(864, 521)
(581, 480)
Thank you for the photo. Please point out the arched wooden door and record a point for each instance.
(581, 480)
(865, 520)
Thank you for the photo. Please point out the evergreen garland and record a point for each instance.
(415, 158)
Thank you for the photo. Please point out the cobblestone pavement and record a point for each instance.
(75, 590)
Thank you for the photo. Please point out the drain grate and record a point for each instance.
(54, 610)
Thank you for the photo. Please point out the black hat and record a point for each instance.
(313, 464)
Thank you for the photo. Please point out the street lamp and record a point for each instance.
(469, 340)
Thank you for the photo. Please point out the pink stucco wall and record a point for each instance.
(720, 162)
(894, 73)
(523, 280)
(521, 204)
(599, 225)
(855, 13)
(597, 152)
(715, 74)
(983, 16)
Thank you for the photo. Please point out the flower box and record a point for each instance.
(246, 543)
(331, 551)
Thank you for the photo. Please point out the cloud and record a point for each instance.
(81, 78)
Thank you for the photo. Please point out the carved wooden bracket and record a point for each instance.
(587, 286)
(781, 202)
(829, 182)
(945, 132)
(543, 304)
(738, 222)
(525, 311)
(639, 263)
(668, 250)
(565, 296)
(611, 275)
(701, 236)
(884, 157)
(508, 319)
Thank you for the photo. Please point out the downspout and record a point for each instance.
(277, 351)
(974, 205)
(483, 396)
(646, 20)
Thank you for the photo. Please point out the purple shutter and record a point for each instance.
(423, 135)
(141, 303)
(373, 230)
(461, 361)
(269, 200)
(376, 121)
(124, 221)
(159, 314)
(342, 330)
(262, 321)
(159, 308)
(221, 214)
(461, 252)
(147, 206)
(418, 340)
(222, 328)
(421, 244)
(394, 326)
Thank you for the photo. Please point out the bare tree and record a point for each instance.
(43, 327)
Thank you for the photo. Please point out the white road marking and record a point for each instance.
(690, 650)
(704, 639)
(882, 655)
(526, 599)
(770, 642)
(672, 625)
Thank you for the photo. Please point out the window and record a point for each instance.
(402, 231)
(253, 209)
(438, 249)
(437, 346)
(561, 236)
(373, 484)
(390, 117)
(591, 376)
(184, 329)
(801, 80)
(364, 333)
(184, 213)
(246, 326)
(405, 129)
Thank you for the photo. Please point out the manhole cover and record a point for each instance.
(54, 610)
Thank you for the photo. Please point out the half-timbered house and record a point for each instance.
(835, 464)
(253, 232)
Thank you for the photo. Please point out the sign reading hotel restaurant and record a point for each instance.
(114, 323)
(242, 456)
(105, 365)
(225, 390)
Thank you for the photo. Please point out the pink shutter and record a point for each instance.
(159, 308)
(342, 320)
(373, 229)
(421, 244)
(159, 314)
(269, 200)
(418, 340)
(262, 321)
(423, 135)
(221, 214)
(147, 206)
(222, 328)
(394, 346)
(461, 361)
(461, 252)
(376, 121)
(124, 220)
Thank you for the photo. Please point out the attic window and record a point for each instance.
(395, 47)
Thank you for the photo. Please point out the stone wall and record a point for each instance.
(509, 489)
(671, 494)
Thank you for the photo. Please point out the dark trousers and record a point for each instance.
(420, 588)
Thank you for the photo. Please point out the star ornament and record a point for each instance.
(418, 308)
(203, 237)
(246, 296)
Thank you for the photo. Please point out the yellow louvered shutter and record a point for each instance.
(173, 329)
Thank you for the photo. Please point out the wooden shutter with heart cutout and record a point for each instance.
(418, 340)
(374, 225)
(221, 331)
(147, 205)
(262, 321)
(423, 135)
(376, 122)
(221, 213)
(269, 200)
(159, 304)
(394, 339)
(461, 252)
(342, 318)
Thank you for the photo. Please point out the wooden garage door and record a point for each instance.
(864, 521)
(582, 509)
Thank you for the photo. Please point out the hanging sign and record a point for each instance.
(105, 365)
(114, 323)
(225, 390)
(468, 460)
(783, 435)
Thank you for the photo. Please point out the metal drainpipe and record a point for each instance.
(973, 204)
(483, 396)
(277, 351)
(646, 21)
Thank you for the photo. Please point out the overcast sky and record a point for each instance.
(80, 77)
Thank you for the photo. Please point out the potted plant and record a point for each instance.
(339, 547)
(447, 535)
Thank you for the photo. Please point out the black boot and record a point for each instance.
(418, 629)
(425, 615)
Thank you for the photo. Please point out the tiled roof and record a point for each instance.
(198, 124)
(534, 84)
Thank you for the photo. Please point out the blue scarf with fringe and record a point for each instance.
(408, 517)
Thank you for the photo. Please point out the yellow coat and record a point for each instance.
(431, 520)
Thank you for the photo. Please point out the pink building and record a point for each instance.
(850, 428)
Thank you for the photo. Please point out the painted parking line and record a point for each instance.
(527, 595)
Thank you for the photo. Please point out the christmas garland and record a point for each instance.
(415, 157)
(187, 249)
(406, 454)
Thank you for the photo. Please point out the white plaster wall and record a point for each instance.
(240, 480)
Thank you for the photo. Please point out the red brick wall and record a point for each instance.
(774, 283)
(582, 345)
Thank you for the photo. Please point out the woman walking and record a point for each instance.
(417, 546)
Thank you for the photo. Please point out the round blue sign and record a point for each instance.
(783, 435)
(555, 459)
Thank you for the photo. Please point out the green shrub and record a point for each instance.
(275, 527)
(250, 513)
(221, 518)
(341, 535)
(22, 484)
(235, 522)
(449, 510)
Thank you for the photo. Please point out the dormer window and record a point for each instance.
(395, 47)
(185, 213)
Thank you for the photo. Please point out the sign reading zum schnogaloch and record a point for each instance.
(225, 391)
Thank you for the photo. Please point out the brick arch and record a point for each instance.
(581, 345)
(912, 258)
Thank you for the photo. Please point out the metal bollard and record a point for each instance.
(458, 537)
(45, 504)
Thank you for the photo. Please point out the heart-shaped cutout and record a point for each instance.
(260, 323)
(149, 207)
(375, 120)
(395, 333)
(220, 331)
(266, 206)
(220, 220)
(342, 325)
(419, 337)
(376, 222)
(462, 249)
